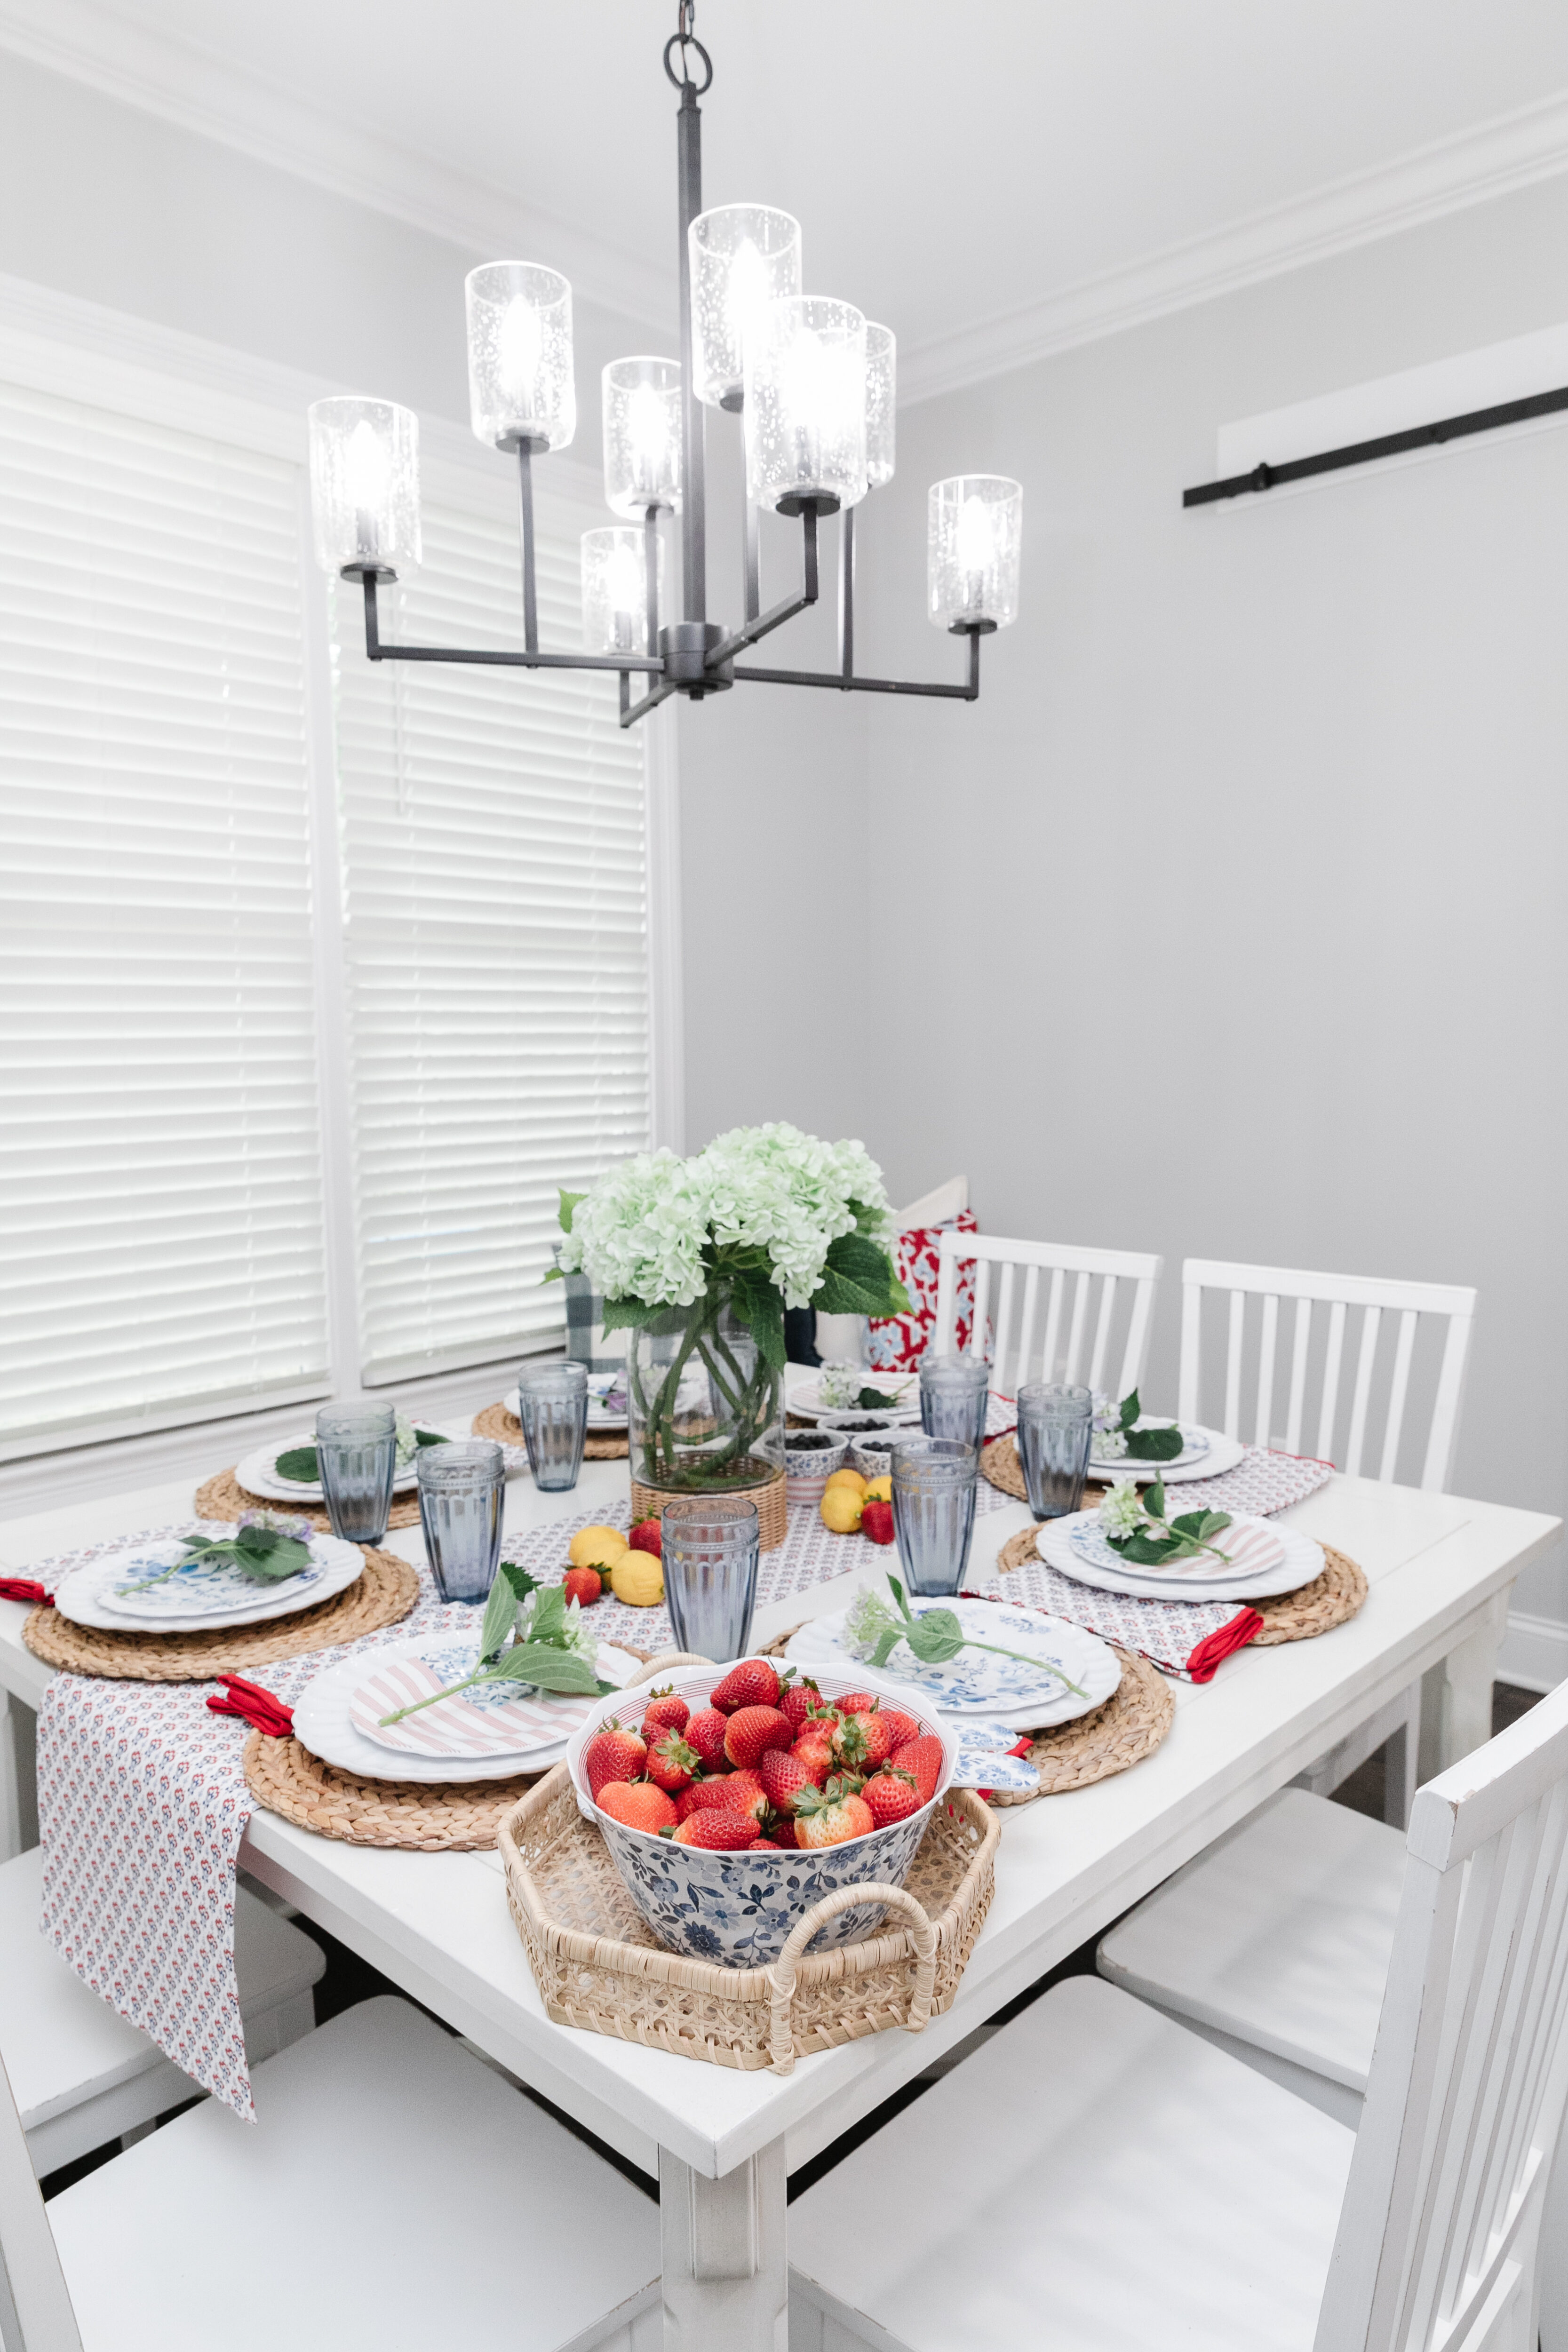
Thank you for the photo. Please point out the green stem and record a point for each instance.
(485, 1674)
(1029, 1662)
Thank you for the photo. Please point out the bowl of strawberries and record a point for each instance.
(733, 1798)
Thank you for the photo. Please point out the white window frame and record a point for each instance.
(54, 342)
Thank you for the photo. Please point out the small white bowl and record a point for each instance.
(737, 1910)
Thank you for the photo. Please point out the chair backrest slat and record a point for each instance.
(1102, 1282)
(1377, 1368)
(36, 2313)
(1438, 2236)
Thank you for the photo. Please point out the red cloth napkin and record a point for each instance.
(22, 1588)
(253, 1706)
(1207, 1657)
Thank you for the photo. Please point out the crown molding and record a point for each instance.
(199, 92)
(1511, 151)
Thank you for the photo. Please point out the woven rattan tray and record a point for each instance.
(382, 1596)
(222, 1497)
(499, 1423)
(598, 1968)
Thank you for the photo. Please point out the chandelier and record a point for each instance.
(812, 384)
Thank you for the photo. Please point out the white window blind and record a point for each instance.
(496, 941)
(160, 1191)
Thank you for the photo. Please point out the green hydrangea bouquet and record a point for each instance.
(697, 1259)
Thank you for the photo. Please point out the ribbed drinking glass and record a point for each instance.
(356, 1447)
(954, 1394)
(710, 1549)
(554, 1402)
(933, 1510)
(1056, 1430)
(462, 1493)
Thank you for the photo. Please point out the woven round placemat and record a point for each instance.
(1129, 1726)
(222, 1497)
(498, 1421)
(999, 1462)
(1330, 1599)
(381, 1596)
(439, 1817)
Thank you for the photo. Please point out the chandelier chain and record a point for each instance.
(683, 38)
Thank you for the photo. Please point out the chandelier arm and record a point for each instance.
(969, 692)
(632, 712)
(767, 622)
(650, 664)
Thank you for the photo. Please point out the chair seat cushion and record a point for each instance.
(1094, 2178)
(392, 2193)
(1280, 1933)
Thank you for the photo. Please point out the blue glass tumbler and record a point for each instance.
(356, 1448)
(553, 1401)
(711, 1546)
(933, 1510)
(462, 1493)
(1056, 1430)
(956, 1392)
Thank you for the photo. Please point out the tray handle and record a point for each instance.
(781, 2037)
(662, 1665)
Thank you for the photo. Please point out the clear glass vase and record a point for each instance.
(707, 1413)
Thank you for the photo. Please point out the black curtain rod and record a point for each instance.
(1387, 445)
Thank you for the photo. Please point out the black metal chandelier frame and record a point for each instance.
(693, 655)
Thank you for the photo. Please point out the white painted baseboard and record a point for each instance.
(1534, 1653)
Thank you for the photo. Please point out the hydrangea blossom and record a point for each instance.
(641, 1231)
(1110, 1437)
(1121, 1513)
(839, 1386)
(281, 1521)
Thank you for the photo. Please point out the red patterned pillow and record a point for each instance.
(899, 1341)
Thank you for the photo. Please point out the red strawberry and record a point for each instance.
(732, 1793)
(893, 1796)
(798, 1701)
(784, 1775)
(613, 1755)
(705, 1731)
(672, 1764)
(922, 1758)
(666, 1711)
(855, 1702)
(716, 1830)
(833, 1815)
(637, 1804)
(901, 1728)
(753, 1683)
(581, 1584)
(877, 1521)
(862, 1740)
(647, 1535)
(752, 1731)
(764, 1845)
(813, 1751)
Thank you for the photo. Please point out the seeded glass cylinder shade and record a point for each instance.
(882, 386)
(642, 435)
(615, 590)
(974, 538)
(805, 405)
(364, 486)
(520, 386)
(742, 257)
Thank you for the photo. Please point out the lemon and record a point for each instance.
(880, 1490)
(596, 1547)
(637, 1579)
(841, 1507)
(850, 1478)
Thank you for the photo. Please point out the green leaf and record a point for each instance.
(859, 1279)
(261, 1552)
(1154, 1499)
(550, 1668)
(1147, 1551)
(760, 1307)
(630, 1314)
(1161, 1444)
(1130, 1409)
(885, 1644)
(569, 1201)
(430, 1437)
(548, 1622)
(513, 1585)
(301, 1465)
(873, 1401)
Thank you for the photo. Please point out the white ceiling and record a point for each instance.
(993, 181)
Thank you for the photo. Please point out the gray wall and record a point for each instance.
(1228, 921)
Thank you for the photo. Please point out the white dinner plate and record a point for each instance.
(503, 1718)
(322, 1724)
(257, 1474)
(1287, 1560)
(805, 1399)
(976, 1682)
(198, 1596)
(1205, 1454)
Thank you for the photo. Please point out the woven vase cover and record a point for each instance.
(222, 1497)
(599, 1969)
(384, 1595)
(499, 1421)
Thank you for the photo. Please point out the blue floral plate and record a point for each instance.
(1029, 1694)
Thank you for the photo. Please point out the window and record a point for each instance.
(160, 1166)
(495, 943)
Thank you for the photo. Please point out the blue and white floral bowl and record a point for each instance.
(737, 1910)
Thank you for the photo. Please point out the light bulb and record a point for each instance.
(976, 541)
(520, 356)
(646, 431)
(367, 468)
(974, 537)
(615, 591)
(805, 405)
(642, 435)
(519, 343)
(749, 292)
(742, 257)
(364, 486)
(624, 583)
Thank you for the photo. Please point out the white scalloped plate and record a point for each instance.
(1207, 1454)
(976, 1682)
(217, 1597)
(257, 1475)
(1076, 1546)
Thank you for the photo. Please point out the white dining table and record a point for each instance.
(721, 2144)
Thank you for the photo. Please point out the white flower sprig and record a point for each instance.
(1134, 1525)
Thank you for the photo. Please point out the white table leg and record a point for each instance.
(1457, 1702)
(18, 1798)
(726, 2270)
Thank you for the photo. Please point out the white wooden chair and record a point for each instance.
(1315, 1372)
(1098, 2179)
(394, 2192)
(1037, 1349)
(81, 2075)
